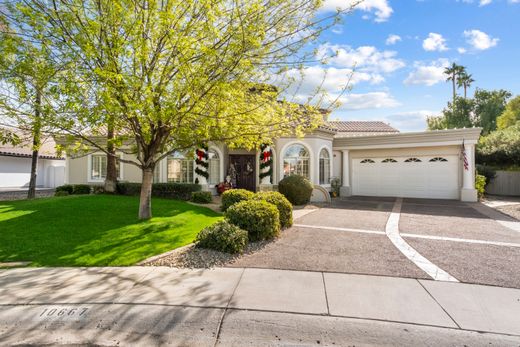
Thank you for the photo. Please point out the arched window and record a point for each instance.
(413, 160)
(296, 161)
(214, 167)
(180, 168)
(367, 161)
(324, 167)
(389, 160)
(437, 159)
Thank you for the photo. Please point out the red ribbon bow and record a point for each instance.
(267, 154)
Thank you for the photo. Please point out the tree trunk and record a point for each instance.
(465, 92)
(111, 178)
(36, 129)
(145, 201)
(454, 89)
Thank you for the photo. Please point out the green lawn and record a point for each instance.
(95, 230)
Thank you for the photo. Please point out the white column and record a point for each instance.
(468, 192)
(345, 173)
(468, 180)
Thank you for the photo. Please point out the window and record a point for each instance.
(367, 161)
(296, 161)
(98, 167)
(437, 159)
(389, 160)
(214, 167)
(180, 168)
(413, 160)
(324, 167)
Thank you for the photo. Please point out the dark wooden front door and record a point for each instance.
(245, 167)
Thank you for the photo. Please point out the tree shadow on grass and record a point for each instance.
(95, 230)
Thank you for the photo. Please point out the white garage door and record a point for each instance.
(433, 177)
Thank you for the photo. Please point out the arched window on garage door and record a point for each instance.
(389, 160)
(413, 160)
(367, 161)
(438, 159)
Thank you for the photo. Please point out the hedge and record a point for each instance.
(201, 197)
(282, 204)
(180, 191)
(260, 218)
(224, 237)
(233, 196)
(297, 189)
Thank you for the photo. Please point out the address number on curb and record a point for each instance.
(66, 312)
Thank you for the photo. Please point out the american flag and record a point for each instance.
(464, 157)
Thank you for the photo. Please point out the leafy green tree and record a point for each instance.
(501, 147)
(181, 73)
(27, 76)
(453, 72)
(457, 115)
(511, 114)
(489, 105)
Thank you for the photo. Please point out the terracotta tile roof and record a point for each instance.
(362, 127)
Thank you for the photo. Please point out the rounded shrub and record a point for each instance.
(69, 188)
(224, 237)
(297, 189)
(81, 189)
(232, 196)
(61, 193)
(260, 218)
(201, 197)
(282, 204)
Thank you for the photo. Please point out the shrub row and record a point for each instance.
(260, 216)
(181, 191)
(70, 189)
(201, 197)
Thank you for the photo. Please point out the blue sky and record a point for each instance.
(400, 48)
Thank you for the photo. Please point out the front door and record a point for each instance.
(245, 168)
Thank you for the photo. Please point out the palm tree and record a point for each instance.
(453, 72)
(464, 81)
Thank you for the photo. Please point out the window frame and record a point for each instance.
(90, 158)
(218, 169)
(326, 166)
(183, 159)
(302, 162)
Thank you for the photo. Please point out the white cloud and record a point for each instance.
(461, 50)
(410, 121)
(368, 101)
(485, 2)
(427, 74)
(380, 8)
(393, 39)
(435, 42)
(364, 58)
(480, 40)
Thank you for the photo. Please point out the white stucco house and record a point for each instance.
(369, 159)
(15, 166)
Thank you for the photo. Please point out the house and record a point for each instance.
(369, 159)
(15, 166)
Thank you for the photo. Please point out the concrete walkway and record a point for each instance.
(146, 305)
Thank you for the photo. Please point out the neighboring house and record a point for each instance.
(15, 166)
(370, 159)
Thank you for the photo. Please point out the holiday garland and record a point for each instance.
(202, 162)
(266, 162)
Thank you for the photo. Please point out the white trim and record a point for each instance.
(403, 145)
(89, 168)
(311, 159)
(331, 159)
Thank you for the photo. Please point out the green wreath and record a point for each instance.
(266, 161)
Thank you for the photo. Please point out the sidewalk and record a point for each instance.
(199, 305)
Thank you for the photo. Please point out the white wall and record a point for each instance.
(15, 172)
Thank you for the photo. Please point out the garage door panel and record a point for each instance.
(420, 178)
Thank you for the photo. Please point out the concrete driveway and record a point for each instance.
(461, 242)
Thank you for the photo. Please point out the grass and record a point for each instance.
(95, 230)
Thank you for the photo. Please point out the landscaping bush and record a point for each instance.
(202, 197)
(260, 218)
(81, 189)
(480, 185)
(282, 204)
(224, 237)
(65, 188)
(61, 193)
(97, 189)
(297, 189)
(233, 196)
(180, 191)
